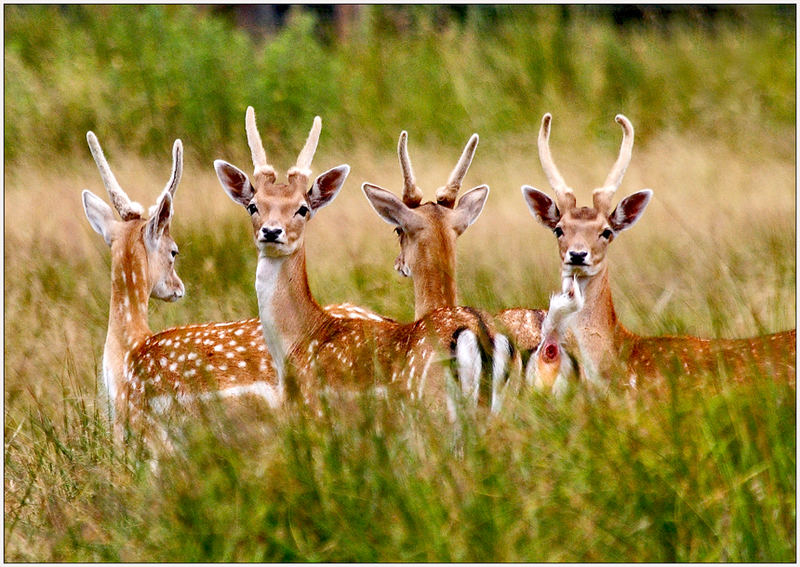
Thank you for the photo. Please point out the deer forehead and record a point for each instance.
(279, 200)
(583, 219)
(583, 214)
(434, 212)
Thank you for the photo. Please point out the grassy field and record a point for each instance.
(706, 474)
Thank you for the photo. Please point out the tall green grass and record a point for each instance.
(706, 476)
(142, 75)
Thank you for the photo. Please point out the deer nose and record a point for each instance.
(577, 258)
(270, 234)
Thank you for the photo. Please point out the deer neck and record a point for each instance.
(127, 319)
(433, 290)
(287, 310)
(599, 332)
(435, 286)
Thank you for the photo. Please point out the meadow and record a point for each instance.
(707, 473)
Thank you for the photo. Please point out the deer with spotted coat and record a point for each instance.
(144, 373)
(606, 350)
(427, 235)
(315, 352)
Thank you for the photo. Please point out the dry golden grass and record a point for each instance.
(710, 202)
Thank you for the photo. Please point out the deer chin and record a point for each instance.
(275, 249)
(584, 271)
(167, 293)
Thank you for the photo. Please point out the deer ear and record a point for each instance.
(156, 224)
(235, 182)
(469, 208)
(542, 207)
(390, 208)
(326, 187)
(629, 210)
(100, 215)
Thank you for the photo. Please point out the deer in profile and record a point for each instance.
(607, 350)
(312, 350)
(428, 232)
(145, 372)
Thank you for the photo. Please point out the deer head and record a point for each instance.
(279, 211)
(428, 231)
(584, 233)
(136, 240)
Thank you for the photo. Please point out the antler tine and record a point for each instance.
(446, 195)
(177, 167)
(260, 165)
(306, 155)
(625, 151)
(127, 209)
(602, 196)
(175, 177)
(412, 195)
(565, 198)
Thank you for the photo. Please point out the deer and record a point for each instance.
(316, 353)
(145, 373)
(427, 234)
(609, 353)
(428, 231)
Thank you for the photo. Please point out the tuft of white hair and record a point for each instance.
(468, 362)
(500, 362)
(562, 307)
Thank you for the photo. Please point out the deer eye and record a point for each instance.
(607, 233)
(302, 211)
(399, 231)
(252, 209)
(558, 232)
(174, 252)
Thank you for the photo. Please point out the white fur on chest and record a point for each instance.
(267, 276)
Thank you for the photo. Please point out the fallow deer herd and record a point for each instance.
(296, 350)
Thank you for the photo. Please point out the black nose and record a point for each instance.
(271, 234)
(577, 258)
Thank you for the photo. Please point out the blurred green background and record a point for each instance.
(143, 75)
